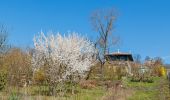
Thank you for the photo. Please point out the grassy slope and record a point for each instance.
(29, 94)
(158, 90)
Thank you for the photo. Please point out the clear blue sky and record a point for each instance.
(143, 25)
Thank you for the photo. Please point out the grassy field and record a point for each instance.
(38, 93)
(158, 90)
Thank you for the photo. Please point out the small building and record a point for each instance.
(119, 57)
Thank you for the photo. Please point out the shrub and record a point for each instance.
(162, 71)
(39, 77)
(3, 79)
(114, 72)
(142, 74)
(18, 67)
(144, 77)
(114, 84)
(110, 72)
(67, 58)
(87, 84)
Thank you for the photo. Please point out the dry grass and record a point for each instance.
(117, 94)
(116, 91)
(88, 84)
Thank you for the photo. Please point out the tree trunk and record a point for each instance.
(102, 70)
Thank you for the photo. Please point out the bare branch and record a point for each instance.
(3, 38)
(103, 22)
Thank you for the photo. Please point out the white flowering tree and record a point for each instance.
(66, 58)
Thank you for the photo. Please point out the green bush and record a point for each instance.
(142, 78)
(39, 77)
(3, 80)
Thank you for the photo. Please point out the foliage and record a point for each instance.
(3, 50)
(114, 72)
(158, 90)
(120, 69)
(162, 71)
(87, 84)
(64, 58)
(18, 67)
(110, 71)
(39, 77)
(142, 74)
(94, 73)
(3, 79)
(156, 64)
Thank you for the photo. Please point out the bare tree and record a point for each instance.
(147, 58)
(102, 22)
(3, 43)
(137, 58)
(3, 38)
(158, 61)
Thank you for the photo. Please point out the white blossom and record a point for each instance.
(64, 55)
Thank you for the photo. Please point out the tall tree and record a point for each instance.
(103, 23)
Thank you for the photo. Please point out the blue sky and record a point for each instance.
(142, 25)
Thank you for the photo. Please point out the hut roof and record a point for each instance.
(119, 55)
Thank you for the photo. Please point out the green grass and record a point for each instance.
(139, 91)
(33, 93)
(149, 91)
(88, 94)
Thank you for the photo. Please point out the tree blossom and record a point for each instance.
(63, 56)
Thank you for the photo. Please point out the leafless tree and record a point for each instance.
(158, 61)
(137, 58)
(3, 38)
(103, 23)
(147, 58)
(3, 43)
